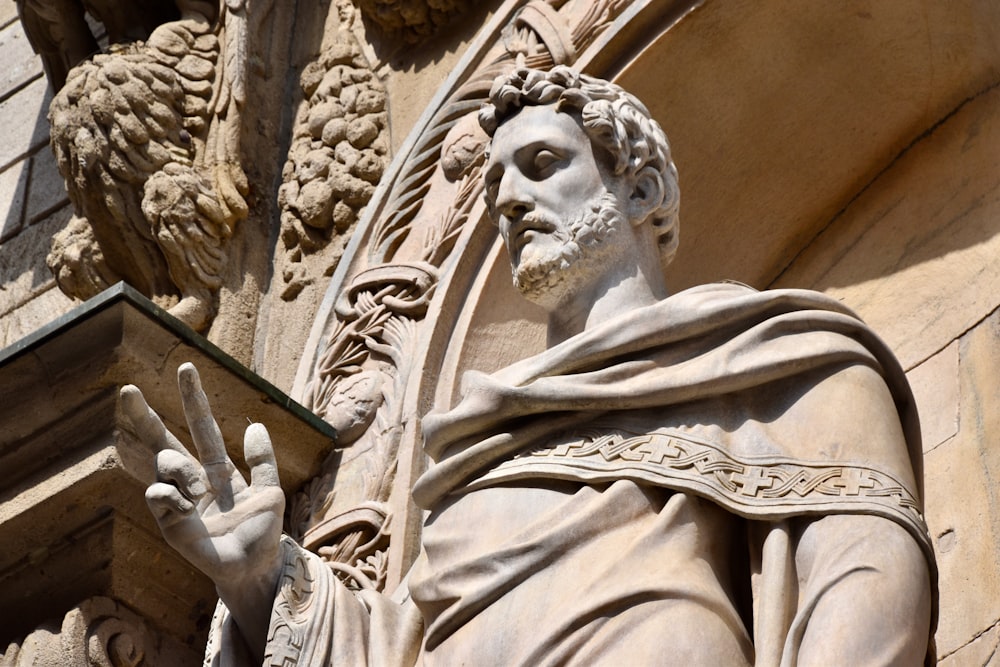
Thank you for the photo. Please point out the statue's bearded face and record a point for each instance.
(549, 195)
(576, 244)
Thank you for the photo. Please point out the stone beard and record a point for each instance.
(537, 272)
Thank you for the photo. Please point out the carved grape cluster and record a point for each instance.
(339, 150)
(412, 21)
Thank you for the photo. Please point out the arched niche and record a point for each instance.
(779, 115)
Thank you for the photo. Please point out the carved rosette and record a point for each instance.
(147, 140)
(339, 152)
(372, 336)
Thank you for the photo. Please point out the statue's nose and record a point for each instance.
(513, 198)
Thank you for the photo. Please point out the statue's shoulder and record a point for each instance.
(732, 293)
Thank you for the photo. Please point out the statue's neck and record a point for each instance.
(602, 303)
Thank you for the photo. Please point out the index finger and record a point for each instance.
(204, 430)
(147, 424)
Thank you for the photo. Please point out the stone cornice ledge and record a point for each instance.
(73, 519)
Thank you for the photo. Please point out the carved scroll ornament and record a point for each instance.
(99, 632)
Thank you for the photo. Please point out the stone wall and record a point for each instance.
(915, 254)
(33, 201)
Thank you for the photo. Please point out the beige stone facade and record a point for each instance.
(851, 148)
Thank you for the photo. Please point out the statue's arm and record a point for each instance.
(226, 528)
(280, 604)
(864, 593)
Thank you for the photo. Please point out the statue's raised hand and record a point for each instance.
(206, 510)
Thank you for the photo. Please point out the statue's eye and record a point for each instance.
(544, 161)
(490, 191)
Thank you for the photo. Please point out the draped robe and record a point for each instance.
(713, 479)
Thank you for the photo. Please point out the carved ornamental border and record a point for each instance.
(755, 487)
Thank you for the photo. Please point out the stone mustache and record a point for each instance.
(716, 477)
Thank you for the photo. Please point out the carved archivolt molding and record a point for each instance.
(147, 139)
(339, 150)
(364, 364)
(361, 395)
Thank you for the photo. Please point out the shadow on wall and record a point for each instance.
(940, 199)
(782, 117)
(31, 190)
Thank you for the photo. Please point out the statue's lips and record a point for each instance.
(527, 228)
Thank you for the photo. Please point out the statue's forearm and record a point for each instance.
(249, 600)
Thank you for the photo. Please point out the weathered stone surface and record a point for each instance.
(8, 13)
(982, 651)
(47, 190)
(31, 130)
(13, 185)
(913, 254)
(22, 262)
(20, 64)
(131, 134)
(963, 508)
(339, 151)
(935, 388)
(44, 305)
(412, 20)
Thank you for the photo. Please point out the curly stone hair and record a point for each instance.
(614, 119)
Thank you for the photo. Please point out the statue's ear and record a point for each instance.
(648, 194)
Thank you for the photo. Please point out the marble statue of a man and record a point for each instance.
(717, 477)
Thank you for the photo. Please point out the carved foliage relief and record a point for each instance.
(411, 20)
(364, 365)
(147, 140)
(338, 155)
